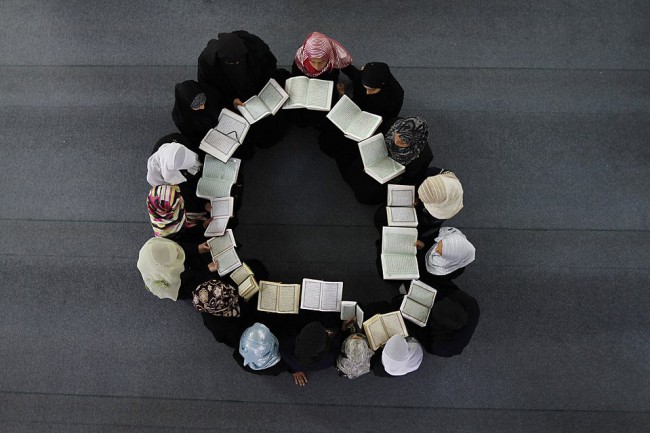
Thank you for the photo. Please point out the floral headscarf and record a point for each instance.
(216, 298)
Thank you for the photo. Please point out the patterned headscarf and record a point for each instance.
(354, 360)
(166, 210)
(216, 298)
(457, 252)
(319, 46)
(259, 347)
(414, 131)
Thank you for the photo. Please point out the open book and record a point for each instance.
(278, 297)
(310, 93)
(417, 303)
(245, 279)
(356, 124)
(351, 310)
(223, 252)
(267, 103)
(321, 295)
(376, 162)
(218, 177)
(222, 140)
(222, 210)
(398, 253)
(401, 210)
(380, 327)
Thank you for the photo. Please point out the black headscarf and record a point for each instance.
(194, 124)
(312, 344)
(388, 102)
(447, 316)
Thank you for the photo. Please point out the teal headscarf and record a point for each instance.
(259, 347)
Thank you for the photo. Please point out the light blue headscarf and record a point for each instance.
(259, 347)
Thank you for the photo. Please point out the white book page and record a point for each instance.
(398, 242)
(330, 296)
(373, 150)
(228, 260)
(232, 125)
(217, 227)
(297, 88)
(319, 94)
(415, 310)
(386, 169)
(212, 167)
(245, 285)
(222, 207)
(401, 195)
(348, 310)
(273, 96)
(402, 214)
(230, 170)
(212, 188)
(311, 292)
(240, 274)
(364, 125)
(343, 113)
(400, 264)
(287, 298)
(256, 109)
(394, 324)
(422, 295)
(359, 316)
(376, 329)
(268, 297)
(218, 141)
(221, 243)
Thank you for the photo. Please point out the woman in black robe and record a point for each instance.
(237, 66)
(195, 112)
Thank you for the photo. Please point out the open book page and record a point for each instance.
(212, 188)
(319, 94)
(311, 291)
(228, 260)
(248, 288)
(268, 296)
(348, 310)
(273, 96)
(219, 244)
(217, 227)
(422, 293)
(415, 311)
(401, 195)
(240, 274)
(217, 144)
(363, 125)
(254, 109)
(385, 170)
(288, 298)
(297, 88)
(375, 332)
(343, 113)
(216, 169)
(401, 216)
(331, 296)
(394, 324)
(399, 266)
(398, 240)
(222, 207)
(373, 150)
(233, 125)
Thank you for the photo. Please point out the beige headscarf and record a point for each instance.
(161, 263)
(442, 195)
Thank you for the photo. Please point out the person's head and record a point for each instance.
(198, 103)
(217, 298)
(455, 252)
(442, 195)
(318, 63)
(312, 343)
(161, 263)
(401, 356)
(259, 347)
(231, 50)
(447, 315)
(320, 53)
(406, 138)
(354, 359)
(190, 96)
(166, 209)
(375, 76)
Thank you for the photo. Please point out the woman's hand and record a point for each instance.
(213, 266)
(204, 248)
(300, 378)
(206, 223)
(419, 244)
(340, 88)
(237, 103)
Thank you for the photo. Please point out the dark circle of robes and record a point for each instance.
(238, 65)
(194, 124)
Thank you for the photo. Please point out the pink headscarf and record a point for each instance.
(318, 45)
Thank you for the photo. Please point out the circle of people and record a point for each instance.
(178, 262)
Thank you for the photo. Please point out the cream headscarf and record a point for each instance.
(163, 167)
(442, 195)
(457, 252)
(161, 263)
(400, 356)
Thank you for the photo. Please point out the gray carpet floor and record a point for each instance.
(541, 108)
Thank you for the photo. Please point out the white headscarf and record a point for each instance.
(400, 356)
(163, 167)
(457, 252)
(161, 263)
(442, 195)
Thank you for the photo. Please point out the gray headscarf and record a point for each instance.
(354, 360)
(414, 131)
